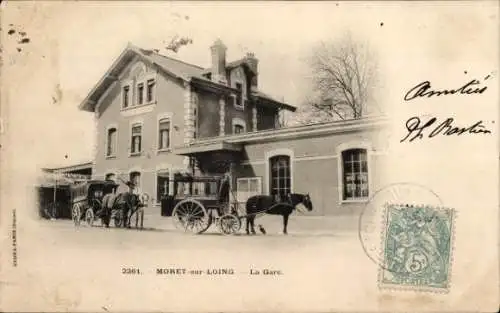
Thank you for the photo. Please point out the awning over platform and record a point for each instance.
(202, 148)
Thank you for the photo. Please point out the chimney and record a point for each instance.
(253, 63)
(218, 50)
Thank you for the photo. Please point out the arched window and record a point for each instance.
(239, 126)
(111, 142)
(279, 176)
(135, 178)
(355, 174)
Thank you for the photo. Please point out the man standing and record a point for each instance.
(224, 190)
(133, 188)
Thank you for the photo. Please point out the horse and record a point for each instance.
(126, 202)
(268, 205)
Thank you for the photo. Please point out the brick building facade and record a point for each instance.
(158, 117)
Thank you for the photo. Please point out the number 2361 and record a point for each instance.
(130, 270)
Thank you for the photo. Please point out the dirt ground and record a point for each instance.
(62, 267)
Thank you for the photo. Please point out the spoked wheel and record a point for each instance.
(89, 217)
(229, 224)
(118, 218)
(190, 215)
(76, 214)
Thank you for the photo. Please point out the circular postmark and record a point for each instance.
(372, 220)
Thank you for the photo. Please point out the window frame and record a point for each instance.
(141, 172)
(160, 117)
(241, 95)
(238, 122)
(247, 179)
(280, 177)
(140, 93)
(144, 79)
(340, 169)
(108, 128)
(129, 84)
(274, 153)
(131, 142)
(114, 173)
(157, 200)
(196, 114)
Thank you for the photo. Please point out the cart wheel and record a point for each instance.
(118, 218)
(89, 216)
(190, 215)
(76, 214)
(229, 224)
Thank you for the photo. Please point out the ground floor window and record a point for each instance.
(247, 187)
(355, 174)
(162, 185)
(280, 181)
(135, 178)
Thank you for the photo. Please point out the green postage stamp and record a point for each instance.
(417, 246)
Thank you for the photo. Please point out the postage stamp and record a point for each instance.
(417, 246)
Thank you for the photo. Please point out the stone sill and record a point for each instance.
(159, 151)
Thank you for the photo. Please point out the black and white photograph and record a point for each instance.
(247, 156)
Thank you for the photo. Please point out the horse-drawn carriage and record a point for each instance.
(201, 201)
(91, 200)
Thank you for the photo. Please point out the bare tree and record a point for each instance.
(343, 74)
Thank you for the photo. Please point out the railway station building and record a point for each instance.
(159, 118)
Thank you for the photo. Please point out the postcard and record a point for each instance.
(249, 156)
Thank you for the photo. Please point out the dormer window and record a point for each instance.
(238, 98)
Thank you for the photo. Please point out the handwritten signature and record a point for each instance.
(446, 128)
(423, 89)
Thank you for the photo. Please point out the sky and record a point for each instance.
(73, 44)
